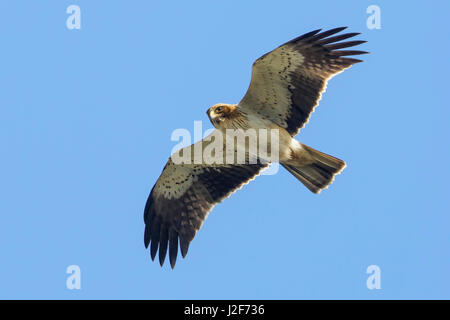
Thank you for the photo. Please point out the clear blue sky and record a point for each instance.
(85, 123)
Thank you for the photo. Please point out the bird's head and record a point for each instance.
(220, 112)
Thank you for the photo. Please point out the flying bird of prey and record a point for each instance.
(286, 85)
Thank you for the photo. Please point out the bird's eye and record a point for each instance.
(219, 109)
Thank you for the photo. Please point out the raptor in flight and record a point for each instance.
(286, 86)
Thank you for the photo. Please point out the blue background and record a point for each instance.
(85, 123)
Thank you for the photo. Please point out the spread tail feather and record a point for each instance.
(317, 174)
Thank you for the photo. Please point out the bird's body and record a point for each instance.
(235, 119)
(287, 84)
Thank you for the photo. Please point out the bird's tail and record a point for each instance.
(318, 173)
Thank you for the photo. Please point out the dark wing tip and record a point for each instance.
(184, 246)
(149, 215)
(173, 247)
(330, 41)
(332, 44)
(339, 29)
(306, 35)
(153, 249)
(162, 257)
(346, 44)
(327, 33)
(162, 237)
(147, 236)
(351, 61)
(342, 53)
(311, 33)
(155, 229)
(159, 236)
(163, 243)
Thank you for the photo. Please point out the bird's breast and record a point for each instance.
(255, 133)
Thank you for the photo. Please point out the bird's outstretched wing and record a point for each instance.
(287, 82)
(183, 196)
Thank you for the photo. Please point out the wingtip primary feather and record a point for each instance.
(337, 38)
(342, 53)
(184, 246)
(327, 33)
(346, 44)
(146, 236)
(307, 35)
(351, 61)
(173, 247)
(163, 243)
